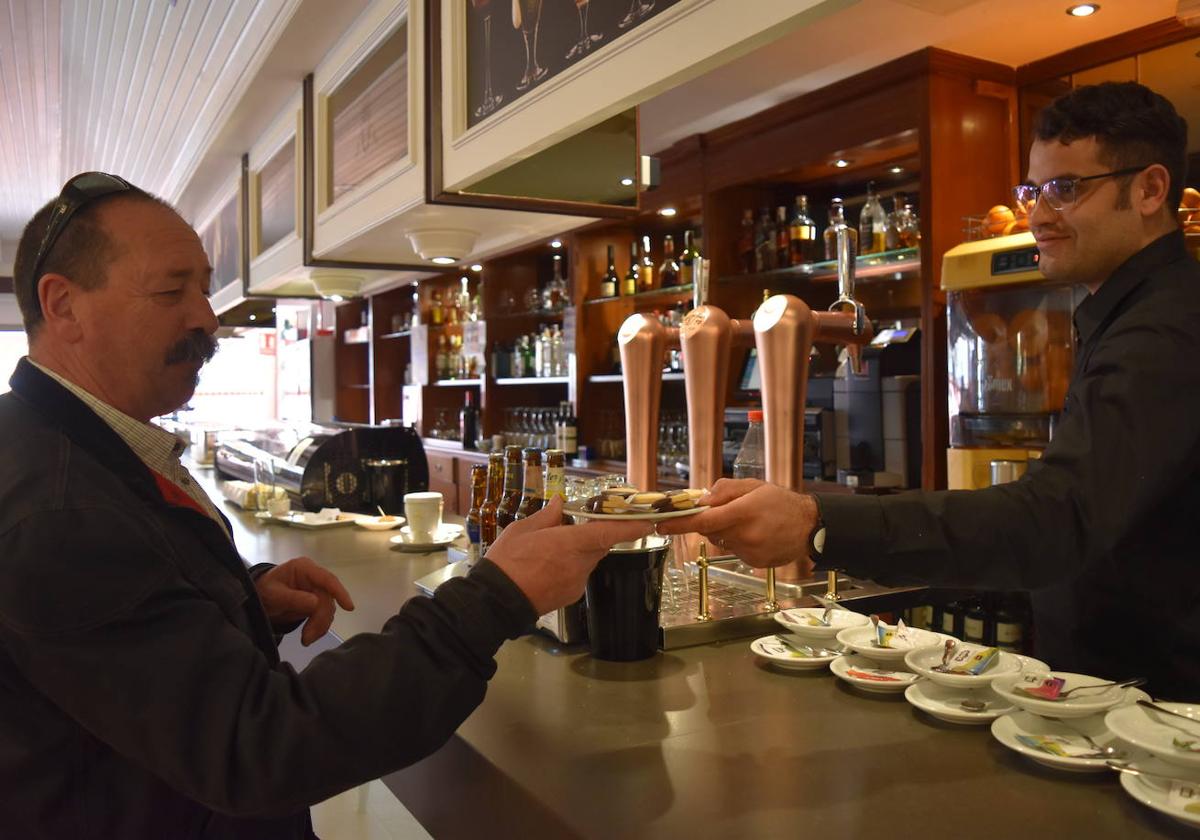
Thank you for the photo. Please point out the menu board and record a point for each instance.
(515, 45)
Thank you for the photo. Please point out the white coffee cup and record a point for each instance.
(424, 514)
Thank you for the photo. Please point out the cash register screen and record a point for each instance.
(750, 380)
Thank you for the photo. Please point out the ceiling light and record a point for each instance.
(476, 267)
(626, 182)
(336, 283)
(1083, 9)
(841, 163)
(335, 298)
(667, 211)
(556, 243)
(442, 260)
(442, 246)
(896, 170)
(253, 317)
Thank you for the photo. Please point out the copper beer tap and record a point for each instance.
(643, 343)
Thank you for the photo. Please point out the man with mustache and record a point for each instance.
(141, 693)
(1102, 530)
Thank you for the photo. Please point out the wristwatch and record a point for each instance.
(816, 540)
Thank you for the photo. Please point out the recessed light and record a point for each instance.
(841, 163)
(336, 298)
(556, 243)
(626, 182)
(667, 211)
(253, 317)
(443, 260)
(896, 170)
(1083, 9)
(476, 267)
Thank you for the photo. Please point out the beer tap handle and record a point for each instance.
(846, 300)
(699, 283)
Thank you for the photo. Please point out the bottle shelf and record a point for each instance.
(668, 292)
(670, 376)
(533, 380)
(449, 383)
(392, 335)
(881, 266)
(549, 314)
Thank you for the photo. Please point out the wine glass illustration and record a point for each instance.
(637, 11)
(526, 16)
(584, 45)
(491, 100)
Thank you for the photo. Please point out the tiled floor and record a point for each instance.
(381, 817)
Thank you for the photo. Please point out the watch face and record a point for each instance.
(818, 540)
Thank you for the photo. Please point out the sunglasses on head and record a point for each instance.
(76, 194)
(1061, 193)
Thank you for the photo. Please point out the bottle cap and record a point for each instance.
(754, 415)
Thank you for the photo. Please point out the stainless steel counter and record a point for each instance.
(699, 742)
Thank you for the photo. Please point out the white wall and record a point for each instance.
(10, 315)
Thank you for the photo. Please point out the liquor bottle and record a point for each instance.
(976, 626)
(952, 619)
(872, 224)
(468, 422)
(746, 240)
(608, 286)
(533, 493)
(764, 242)
(478, 494)
(1010, 628)
(837, 221)
(910, 227)
(783, 239)
(891, 233)
(645, 268)
(687, 258)
(416, 308)
(629, 285)
(435, 308)
(803, 234)
(668, 272)
(489, 511)
(556, 297)
(567, 431)
(441, 362)
(510, 497)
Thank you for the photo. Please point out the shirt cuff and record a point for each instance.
(854, 533)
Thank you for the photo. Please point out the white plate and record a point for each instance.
(859, 639)
(651, 516)
(1155, 793)
(923, 660)
(1147, 729)
(779, 655)
(1082, 704)
(308, 520)
(946, 703)
(893, 682)
(839, 620)
(445, 536)
(373, 523)
(1006, 729)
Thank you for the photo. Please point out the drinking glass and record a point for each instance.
(491, 100)
(584, 45)
(529, 16)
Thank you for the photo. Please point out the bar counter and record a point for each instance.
(699, 742)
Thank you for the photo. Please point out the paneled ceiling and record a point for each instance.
(134, 87)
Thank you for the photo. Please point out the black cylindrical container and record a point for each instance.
(623, 596)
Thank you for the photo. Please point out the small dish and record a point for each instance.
(859, 640)
(863, 674)
(1156, 733)
(1176, 794)
(924, 660)
(780, 656)
(1019, 731)
(650, 516)
(447, 534)
(946, 704)
(378, 523)
(309, 520)
(797, 622)
(1080, 705)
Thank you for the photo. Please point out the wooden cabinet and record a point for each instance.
(443, 478)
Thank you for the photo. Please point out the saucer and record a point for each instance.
(781, 656)
(1010, 729)
(1156, 732)
(946, 703)
(796, 620)
(378, 523)
(650, 516)
(1172, 795)
(446, 535)
(863, 674)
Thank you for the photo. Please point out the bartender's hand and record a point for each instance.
(763, 524)
(550, 562)
(301, 590)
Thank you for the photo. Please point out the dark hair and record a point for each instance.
(1133, 125)
(82, 252)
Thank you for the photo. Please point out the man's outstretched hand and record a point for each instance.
(301, 590)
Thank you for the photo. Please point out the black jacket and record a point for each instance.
(1105, 529)
(141, 694)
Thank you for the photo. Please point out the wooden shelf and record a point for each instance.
(400, 334)
(886, 265)
(552, 314)
(356, 386)
(533, 380)
(669, 292)
(671, 376)
(441, 383)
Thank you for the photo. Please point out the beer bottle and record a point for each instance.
(532, 497)
(511, 495)
(489, 528)
(478, 494)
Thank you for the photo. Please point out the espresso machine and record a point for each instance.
(1011, 349)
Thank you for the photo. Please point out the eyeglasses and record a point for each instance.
(76, 193)
(1061, 193)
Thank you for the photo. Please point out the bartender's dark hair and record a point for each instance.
(1133, 125)
(82, 252)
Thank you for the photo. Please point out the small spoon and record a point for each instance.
(949, 649)
(875, 627)
(973, 705)
(826, 614)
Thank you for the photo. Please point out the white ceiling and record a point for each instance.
(149, 88)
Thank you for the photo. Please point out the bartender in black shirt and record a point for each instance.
(1104, 531)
